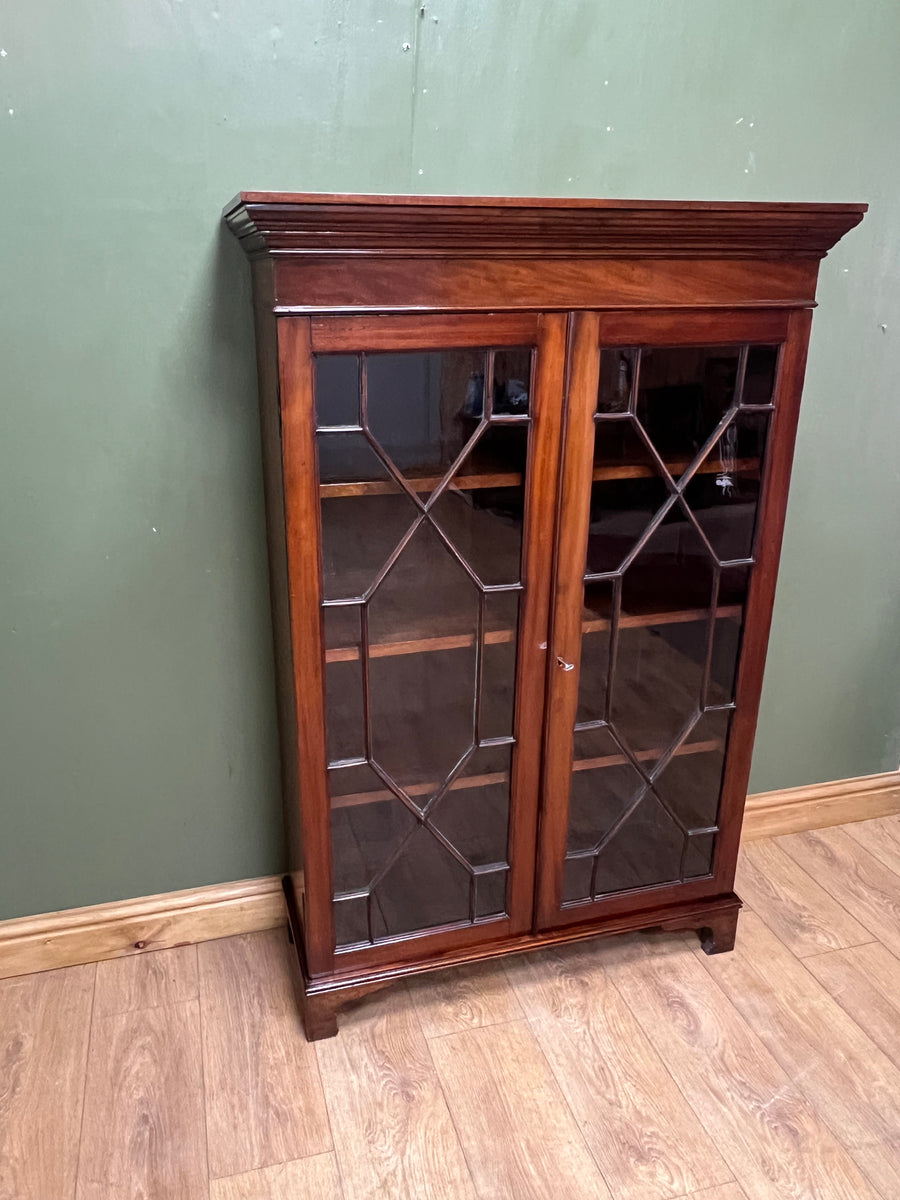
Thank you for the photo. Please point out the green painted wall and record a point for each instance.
(137, 732)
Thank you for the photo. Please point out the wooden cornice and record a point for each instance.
(490, 226)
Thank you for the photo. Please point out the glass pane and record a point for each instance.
(351, 924)
(512, 382)
(699, 858)
(627, 492)
(657, 687)
(617, 370)
(337, 390)
(577, 873)
(424, 406)
(645, 851)
(474, 813)
(675, 490)
(481, 511)
(345, 727)
(759, 377)
(498, 671)
(595, 637)
(368, 825)
(723, 661)
(426, 886)
(690, 782)
(423, 652)
(365, 514)
(683, 393)
(490, 894)
(724, 497)
(673, 571)
(604, 785)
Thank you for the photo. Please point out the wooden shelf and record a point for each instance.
(494, 637)
(508, 479)
(476, 781)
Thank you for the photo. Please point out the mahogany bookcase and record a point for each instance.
(526, 468)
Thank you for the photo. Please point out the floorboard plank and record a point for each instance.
(803, 915)
(44, 1029)
(264, 1102)
(392, 1128)
(146, 980)
(881, 837)
(853, 1087)
(316, 1178)
(765, 1129)
(464, 998)
(868, 889)
(865, 981)
(518, 1134)
(639, 1127)
(727, 1191)
(144, 1134)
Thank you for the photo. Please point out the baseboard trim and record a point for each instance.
(819, 805)
(83, 935)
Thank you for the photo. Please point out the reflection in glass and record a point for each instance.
(627, 492)
(422, 511)
(617, 372)
(725, 500)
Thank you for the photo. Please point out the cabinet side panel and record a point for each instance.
(303, 537)
(279, 594)
(762, 595)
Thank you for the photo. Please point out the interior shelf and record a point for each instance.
(508, 479)
(477, 781)
(494, 637)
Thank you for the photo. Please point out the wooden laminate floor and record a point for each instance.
(629, 1069)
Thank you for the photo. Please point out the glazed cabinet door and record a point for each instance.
(670, 510)
(434, 445)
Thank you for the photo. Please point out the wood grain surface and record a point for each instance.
(806, 918)
(264, 1102)
(392, 1128)
(144, 1132)
(853, 1086)
(464, 998)
(869, 890)
(637, 1124)
(865, 981)
(316, 1177)
(45, 1022)
(146, 981)
(633, 1068)
(519, 1136)
(775, 1143)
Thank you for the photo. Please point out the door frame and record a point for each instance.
(300, 338)
(590, 331)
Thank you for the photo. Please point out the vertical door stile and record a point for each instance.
(564, 650)
(437, 445)
(531, 671)
(663, 563)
